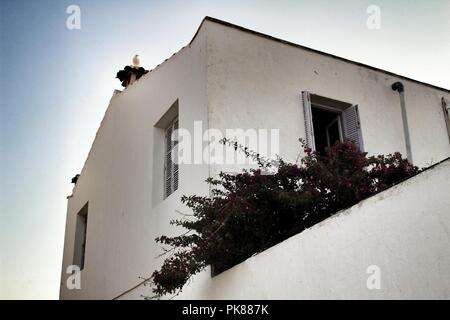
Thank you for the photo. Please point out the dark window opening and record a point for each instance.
(80, 237)
(327, 128)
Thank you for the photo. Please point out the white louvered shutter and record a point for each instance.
(175, 165)
(309, 128)
(170, 168)
(352, 126)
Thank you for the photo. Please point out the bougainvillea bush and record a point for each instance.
(249, 212)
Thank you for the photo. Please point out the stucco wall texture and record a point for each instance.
(229, 78)
(404, 231)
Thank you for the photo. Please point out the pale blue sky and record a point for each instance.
(56, 83)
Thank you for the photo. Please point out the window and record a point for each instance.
(170, 168)
(165, 173)
(446, 108)
(80, 237)
(328, 121)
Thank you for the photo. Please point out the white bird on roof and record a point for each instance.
(136, 61)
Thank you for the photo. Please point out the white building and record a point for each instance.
(231, 77)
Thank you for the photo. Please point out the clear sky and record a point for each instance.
(56, 84)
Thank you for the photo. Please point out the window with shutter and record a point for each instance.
(328, 121)
(170, 168)
(446, 107)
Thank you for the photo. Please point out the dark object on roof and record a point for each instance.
(75, 179)
(128, 73)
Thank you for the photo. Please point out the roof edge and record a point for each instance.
(234, 26)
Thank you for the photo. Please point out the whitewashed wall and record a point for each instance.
(255, 82)
(230, 79)
(126, 207)
(405, 231)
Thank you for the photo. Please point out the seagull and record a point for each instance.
(136, 61)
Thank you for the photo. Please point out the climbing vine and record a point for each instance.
(249, 212)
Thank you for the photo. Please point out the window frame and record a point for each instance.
(350, 126)
(81, 228)
(338, 119)
(446, 111)
(173, 180)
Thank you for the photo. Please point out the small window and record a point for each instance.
(446, 109)
(328, 121)
(80, 237)
(170, 168)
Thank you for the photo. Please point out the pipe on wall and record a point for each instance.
(398, 86)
